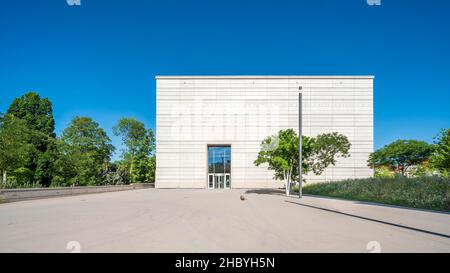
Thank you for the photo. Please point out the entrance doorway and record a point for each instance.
(219, 181)
(219, 167)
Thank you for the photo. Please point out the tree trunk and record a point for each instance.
(286, 183)
(287, 178)
(290, 180)
(406, 170)
(4, 177)
(286, 187)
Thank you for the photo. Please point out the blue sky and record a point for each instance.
(99, 59)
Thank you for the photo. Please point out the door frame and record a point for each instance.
(209, 186)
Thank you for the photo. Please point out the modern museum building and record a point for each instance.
(209, 128)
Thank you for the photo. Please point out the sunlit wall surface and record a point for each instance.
(238, 112)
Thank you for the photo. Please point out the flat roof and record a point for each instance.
(267, 77)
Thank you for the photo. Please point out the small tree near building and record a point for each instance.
(280, 152)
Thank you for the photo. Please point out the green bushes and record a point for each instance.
(422, 192)
(13, 183)
(384, 172)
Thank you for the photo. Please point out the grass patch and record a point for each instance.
(422, 192)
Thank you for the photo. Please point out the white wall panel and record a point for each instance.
(193, 112)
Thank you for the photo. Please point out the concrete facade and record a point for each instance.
(240, 111)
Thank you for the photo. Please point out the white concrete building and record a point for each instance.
(209, 128)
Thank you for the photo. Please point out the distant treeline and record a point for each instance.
(31, 155)
(413, 158)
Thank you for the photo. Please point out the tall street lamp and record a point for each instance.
(300, 175)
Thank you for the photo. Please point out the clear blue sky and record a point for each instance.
(99, 59)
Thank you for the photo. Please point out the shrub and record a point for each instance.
(383, 172)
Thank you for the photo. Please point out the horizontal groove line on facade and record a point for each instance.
(237, 152)
(231, 143)
(290, 77)
(240, 125)
(272, 180)
(198, 168)
(285, 115)
(204, 185)
(346, 113)
(240, 181)
(285, 123)
(243, 180)
(281, 125)
(290, 89)
(270, 176)
(268, 84)
(227, 141)
(270, 100)
(354, 153)
(356, 150)
(239, 140)
(306, 92)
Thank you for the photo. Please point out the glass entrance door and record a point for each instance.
(219, 167)
(219, 181)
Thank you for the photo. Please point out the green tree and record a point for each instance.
(401, 154)
(139, 145)
(45, 164)
(152, 169)
(35, 111)
(14, 147)
(326, 148)
(88, 148)
(65, 172)
(37, 115)
(441, 155)
(280, 152)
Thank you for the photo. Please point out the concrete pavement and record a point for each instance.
(159, 220)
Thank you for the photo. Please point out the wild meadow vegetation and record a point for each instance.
(32, 155)
(406, 172)
(427, 192)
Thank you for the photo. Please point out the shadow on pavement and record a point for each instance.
(266, 191)
(373, 220)
(377, 204)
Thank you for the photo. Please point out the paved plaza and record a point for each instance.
(182, 220)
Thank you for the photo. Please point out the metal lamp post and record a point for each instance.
(300, 178)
